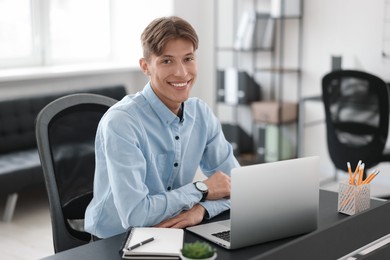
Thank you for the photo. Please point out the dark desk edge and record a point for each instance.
(340, 239)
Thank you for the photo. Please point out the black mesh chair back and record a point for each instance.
(357, 117)
(65, 133)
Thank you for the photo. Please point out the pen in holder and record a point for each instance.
(354, 195)
(353, 199)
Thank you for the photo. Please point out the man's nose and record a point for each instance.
(180, 70)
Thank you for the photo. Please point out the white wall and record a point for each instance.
(352, 29)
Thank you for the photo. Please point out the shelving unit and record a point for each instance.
(271, 67)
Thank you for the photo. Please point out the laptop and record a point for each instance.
(269, 201)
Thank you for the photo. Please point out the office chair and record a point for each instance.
(357, 118)
(65, 131)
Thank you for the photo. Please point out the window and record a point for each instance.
(56, 32)
(78, 30)
(17, 45)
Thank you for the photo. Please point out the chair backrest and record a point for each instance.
(357, 117)
(65, 133)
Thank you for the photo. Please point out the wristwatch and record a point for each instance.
(202, 187)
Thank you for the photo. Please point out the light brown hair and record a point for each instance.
(164, 29)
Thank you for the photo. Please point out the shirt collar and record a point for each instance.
(162, 111)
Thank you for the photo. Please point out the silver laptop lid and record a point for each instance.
(274, 200)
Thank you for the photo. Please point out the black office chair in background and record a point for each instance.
(357, 118)
(65, 133)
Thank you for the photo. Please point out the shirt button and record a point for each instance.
(169, 188)
(177, 137)
(175, 164)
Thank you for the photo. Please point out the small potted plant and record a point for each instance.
(198, 250)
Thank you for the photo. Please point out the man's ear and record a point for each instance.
(144, 66)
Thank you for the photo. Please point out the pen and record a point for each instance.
(141, 243)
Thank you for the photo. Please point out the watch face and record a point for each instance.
(201, 186)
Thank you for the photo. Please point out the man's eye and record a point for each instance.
(166, 61)
(190, 58)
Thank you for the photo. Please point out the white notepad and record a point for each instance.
(166, 244)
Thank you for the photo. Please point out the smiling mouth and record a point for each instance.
(179, 85)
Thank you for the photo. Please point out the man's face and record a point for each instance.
(173, 73)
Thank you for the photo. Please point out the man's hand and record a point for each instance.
(186, 218)
(219, 186)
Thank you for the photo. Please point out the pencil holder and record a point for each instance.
(353, 199)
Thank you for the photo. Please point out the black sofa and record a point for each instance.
(20, 166)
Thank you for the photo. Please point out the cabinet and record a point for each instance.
(258, 59)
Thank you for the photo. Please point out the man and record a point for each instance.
(149, 145)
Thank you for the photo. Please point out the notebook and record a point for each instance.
(152, 243)
(269, 201)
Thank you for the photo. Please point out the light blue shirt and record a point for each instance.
(146, 160)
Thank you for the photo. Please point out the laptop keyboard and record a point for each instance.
(225, 235)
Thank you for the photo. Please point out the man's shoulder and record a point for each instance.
(197, 103)
(129, 102)
(127, 107)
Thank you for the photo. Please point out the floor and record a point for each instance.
(28, 235)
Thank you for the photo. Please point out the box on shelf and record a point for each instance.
(268, 112)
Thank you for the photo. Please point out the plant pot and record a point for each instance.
(210, 258)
